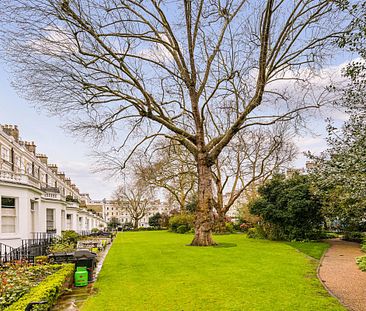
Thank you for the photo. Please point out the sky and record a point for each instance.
(70, 153)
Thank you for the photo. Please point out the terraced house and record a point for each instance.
(36, 198)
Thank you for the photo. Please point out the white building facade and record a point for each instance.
(111, 209)
(35, 197)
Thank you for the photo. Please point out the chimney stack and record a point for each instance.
(53, 168)
(31, 147)
(11, 130)
(43, 158)
(68, 182)
(61, 176)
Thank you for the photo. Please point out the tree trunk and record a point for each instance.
(204, 213)
(221, 221)
(135, 223)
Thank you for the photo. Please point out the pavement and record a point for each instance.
(341, 276)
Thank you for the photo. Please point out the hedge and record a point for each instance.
(48, 290)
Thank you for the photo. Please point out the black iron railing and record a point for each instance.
(6, 252)
(28, 250)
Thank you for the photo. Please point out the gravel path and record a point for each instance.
(340, 274)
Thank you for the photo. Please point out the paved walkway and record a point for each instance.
(340, 274)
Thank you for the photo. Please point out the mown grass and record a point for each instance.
(157, 271)
(312, 249)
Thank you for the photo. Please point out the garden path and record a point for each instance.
(340, 274)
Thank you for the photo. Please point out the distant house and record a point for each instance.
(112, 209)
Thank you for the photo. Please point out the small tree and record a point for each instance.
(288, 208)
(154, 221)
(114, 223)
(134, 199)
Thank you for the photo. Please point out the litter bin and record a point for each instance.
(86, 258)
(81, 276)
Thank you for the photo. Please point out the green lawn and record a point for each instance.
(156, 271)
(313, 249)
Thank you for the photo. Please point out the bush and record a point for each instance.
(353, 236)
(363, 247)
(62, 247)
(252, 233)
(182, 229)
(183, 219)
(68, 237)
(256, 233)
(41, 260)
(154, 221)
(288, 209)
(229, 227)
(361, 261)
(17, 280)
(48, 290)
(147, 229)
(329, 235)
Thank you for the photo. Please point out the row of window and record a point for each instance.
(32, 170)
(9, 216)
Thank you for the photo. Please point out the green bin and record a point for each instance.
(81, 276)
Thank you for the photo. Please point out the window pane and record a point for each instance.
(7, 224)
(7, 202)
(50, 219)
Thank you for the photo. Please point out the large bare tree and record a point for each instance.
(250, 159)
(171, 68)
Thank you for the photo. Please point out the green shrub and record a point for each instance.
(147, 229)
(41, 260)
(17, 280)
(288, 209)
(256, 233)
(229, 227)
(329, 235)
(361, 261)
(154, 221)
(62, 247)
(363, 247)
(95, 230)
(353, 236)
(182, 229)
(48, 290)
(182, 219)
(70, 236)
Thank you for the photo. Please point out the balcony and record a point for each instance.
(53, 196)
(71, 204)
(50, 189)
(19, 178)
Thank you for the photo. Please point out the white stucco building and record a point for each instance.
(35, 197)
(113, 210)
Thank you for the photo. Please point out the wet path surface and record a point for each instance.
(341, 276)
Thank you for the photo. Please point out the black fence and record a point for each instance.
(28, 250)
(6, 253)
